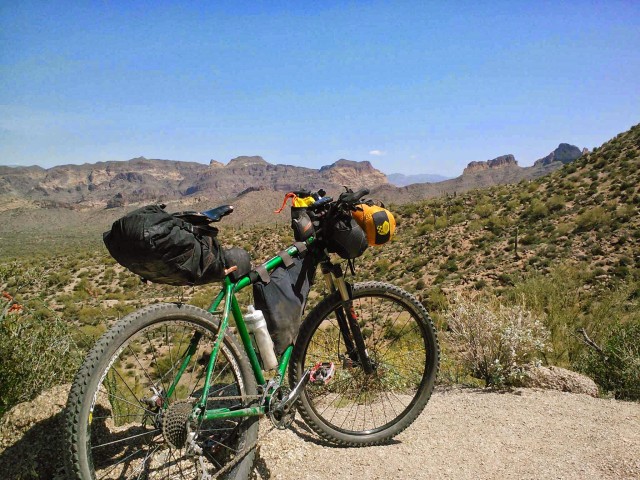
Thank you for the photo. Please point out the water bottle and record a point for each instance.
(257, 325)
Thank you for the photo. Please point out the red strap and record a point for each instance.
(288, 196)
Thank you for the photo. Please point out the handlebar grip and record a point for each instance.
(351, 197)
(320, 202)
(361, 193)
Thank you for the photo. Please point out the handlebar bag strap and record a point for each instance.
(283, 299)
(301, 224)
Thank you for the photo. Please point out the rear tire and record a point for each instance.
(111, 432)
(355, 409)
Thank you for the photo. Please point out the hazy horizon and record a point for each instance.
(412, 87)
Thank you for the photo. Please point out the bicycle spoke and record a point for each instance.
(127, 440)
(124, 439)
(356, 402)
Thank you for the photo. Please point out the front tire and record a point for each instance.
(113, 427)
(356, 409)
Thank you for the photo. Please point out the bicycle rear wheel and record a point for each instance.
(120, 421)
(355, 408)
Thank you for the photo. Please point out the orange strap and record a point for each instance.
(288, 196)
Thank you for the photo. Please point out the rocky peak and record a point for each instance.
(216, 164)
(353, 174)
(245, 161)
(364, 166)
(565, 153)
(504, 161)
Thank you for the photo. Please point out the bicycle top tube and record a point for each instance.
(272, 263)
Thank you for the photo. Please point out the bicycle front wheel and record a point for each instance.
(124, 420)
(356, 408)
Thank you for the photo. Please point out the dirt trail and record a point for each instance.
(462, 434)
(474, 434)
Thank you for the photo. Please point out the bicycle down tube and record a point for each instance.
(231, 307)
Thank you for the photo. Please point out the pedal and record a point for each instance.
(322, 373)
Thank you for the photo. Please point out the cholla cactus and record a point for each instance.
(495, 341)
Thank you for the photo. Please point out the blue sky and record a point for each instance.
(414, 87)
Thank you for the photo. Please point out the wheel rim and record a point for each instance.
(132, 436)
(358, 404)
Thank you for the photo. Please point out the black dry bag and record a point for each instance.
(163, 248)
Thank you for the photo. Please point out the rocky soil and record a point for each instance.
(463, 433)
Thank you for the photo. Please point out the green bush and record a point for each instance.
(484, 210)
(615, 367)
(537, 210)
(37, 352)
(555, 203)
(593, 219)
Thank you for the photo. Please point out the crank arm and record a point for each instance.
(297, 390)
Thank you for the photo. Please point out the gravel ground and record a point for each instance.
(476, 434)
(462, 434)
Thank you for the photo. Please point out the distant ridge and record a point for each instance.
(402, 180)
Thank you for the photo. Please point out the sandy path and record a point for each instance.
(482, 435)
(462, 434)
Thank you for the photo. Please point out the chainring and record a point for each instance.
(280, 419)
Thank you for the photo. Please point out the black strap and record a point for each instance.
(352, 265)
(301, 246)
(286, 258)
(264, 274)
(204, 230)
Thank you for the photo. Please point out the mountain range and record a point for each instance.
(119, 183)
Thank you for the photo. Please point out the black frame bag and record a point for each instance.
(163, 248)
(283, 299)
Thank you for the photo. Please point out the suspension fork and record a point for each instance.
(347, 318)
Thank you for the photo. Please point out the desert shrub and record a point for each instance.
(615, 366)
(593, 218)
(37, 352)
(441, 222)
(537, 210)
(555, 203)
(484, 210)
(382, 266)
(435, 300)
(495, 341)
(557, 297)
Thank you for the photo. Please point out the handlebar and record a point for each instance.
(352, 197)
(346, 200)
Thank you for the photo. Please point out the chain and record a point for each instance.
(249, 448)
(237, 397)
(245, 451)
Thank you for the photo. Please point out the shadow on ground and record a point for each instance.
(38, 454)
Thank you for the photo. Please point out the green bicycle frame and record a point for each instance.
(231, 307)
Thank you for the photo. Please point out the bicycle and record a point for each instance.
(170, 392)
